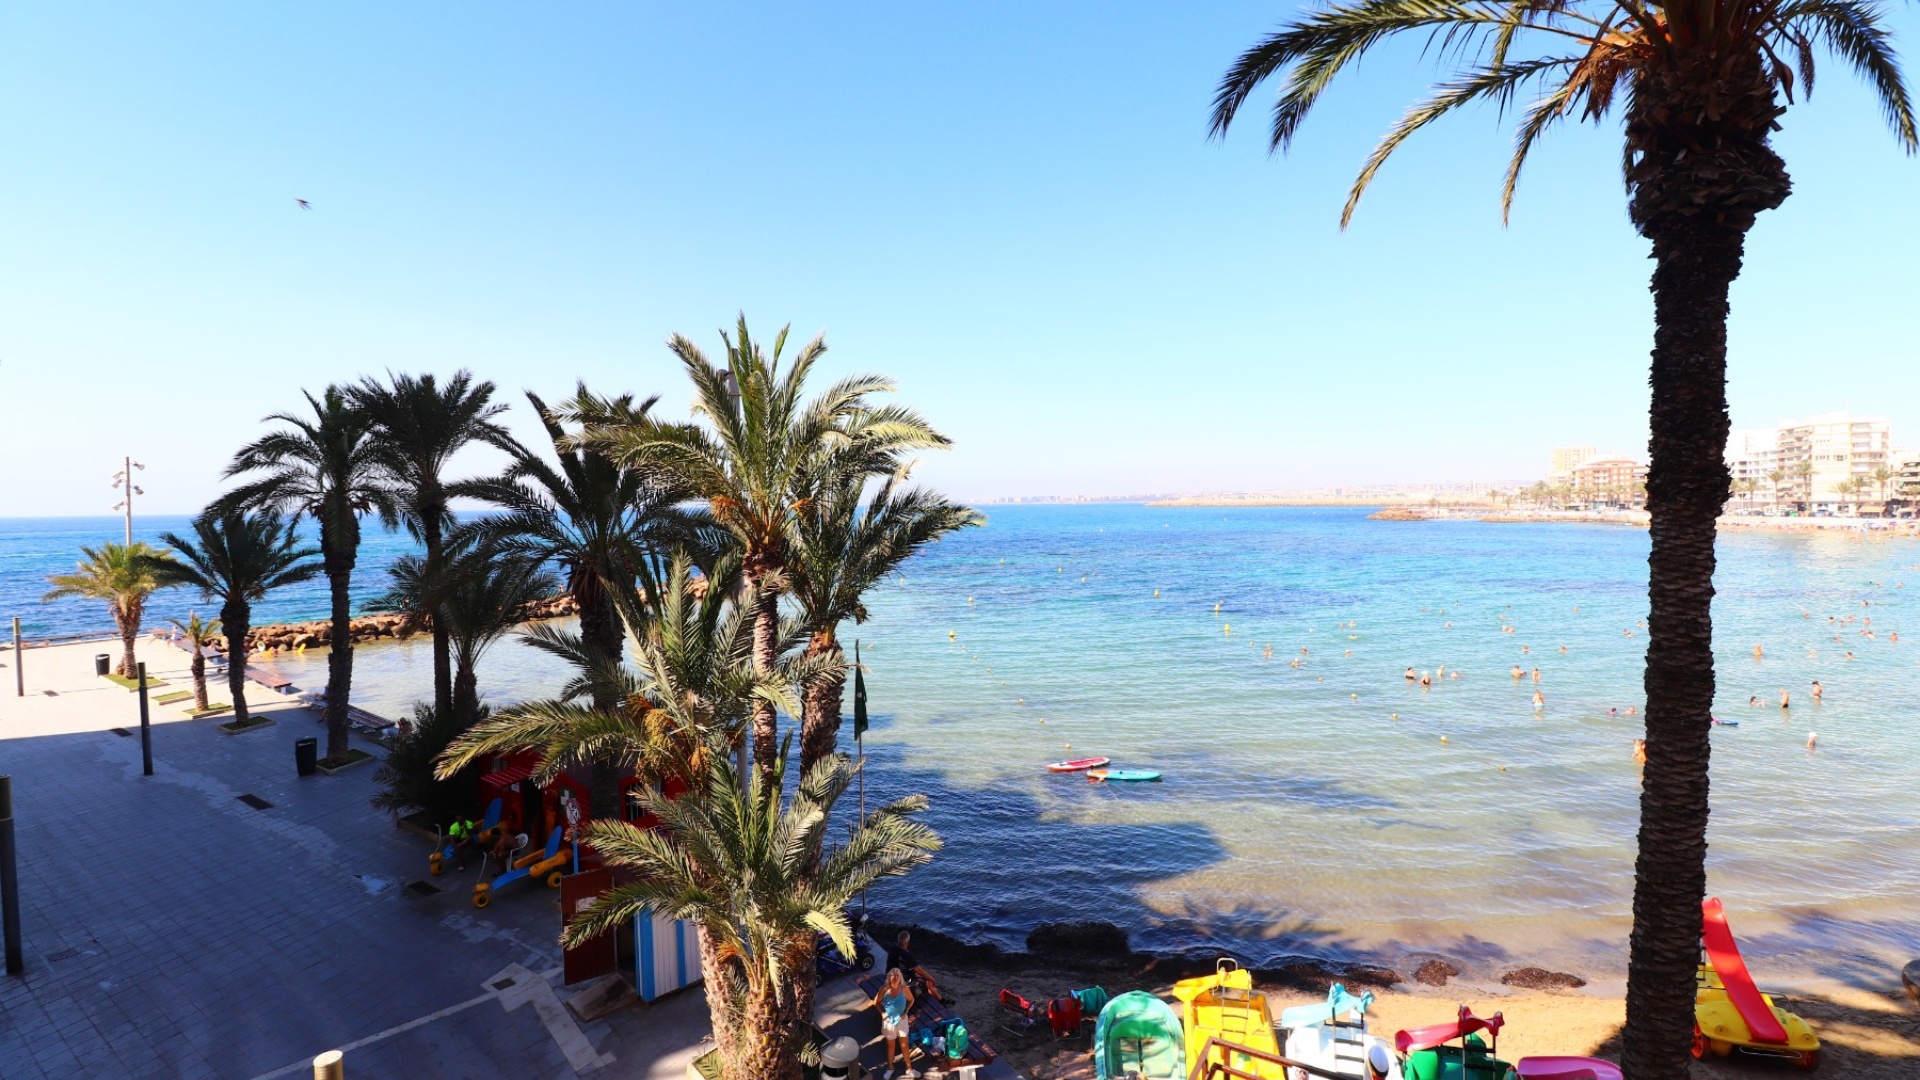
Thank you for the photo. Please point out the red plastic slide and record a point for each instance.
(1724, 955)
(1440, 1034)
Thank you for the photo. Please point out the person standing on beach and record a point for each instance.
(895, 1003)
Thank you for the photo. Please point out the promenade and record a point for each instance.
(173, 929)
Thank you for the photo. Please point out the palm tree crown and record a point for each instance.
(1581, 57)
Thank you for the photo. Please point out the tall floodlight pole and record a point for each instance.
(123, 482)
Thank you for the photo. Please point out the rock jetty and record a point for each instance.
(294, 637)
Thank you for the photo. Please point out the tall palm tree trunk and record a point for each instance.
(197, 668)
(442, 644)
(822, 699)
(234, 620)
(339, 657)
(766, 648)
(600, 629)
(127, 620)
(1705, 173)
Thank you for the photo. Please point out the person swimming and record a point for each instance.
(1640, 751)
(1410, 676)
(1539, 701)
(1784, 702)
(1818, 690)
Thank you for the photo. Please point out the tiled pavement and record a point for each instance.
(174, 931)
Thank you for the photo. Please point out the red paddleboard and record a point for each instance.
(1427, 1038)
(1725, 957)
(1078, 764)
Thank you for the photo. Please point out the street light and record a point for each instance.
(123, 482)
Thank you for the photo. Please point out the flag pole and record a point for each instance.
(860, 745)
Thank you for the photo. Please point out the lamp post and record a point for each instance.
(123, 482)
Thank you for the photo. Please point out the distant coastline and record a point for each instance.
(1638, 519)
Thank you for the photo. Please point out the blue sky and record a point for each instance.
(1013, 208)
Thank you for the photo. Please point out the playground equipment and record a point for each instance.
(1332, 1035)
(548, 864)
(443, 845)
(1730, 1013)
(1225, 1006)
(1425, 1055)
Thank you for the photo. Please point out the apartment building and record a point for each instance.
(1822, 453)
(1568, 458)
(1611, 481)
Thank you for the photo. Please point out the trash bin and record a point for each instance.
(102, 663)
(306, 755)
(840, 1060)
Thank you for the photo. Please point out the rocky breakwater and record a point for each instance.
(297, 637)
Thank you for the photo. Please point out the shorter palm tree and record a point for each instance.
(729, 857)
(1774, 476)
(199, 635)
(237, 558)
(475, 599)
(123, 576)
(1882, 474)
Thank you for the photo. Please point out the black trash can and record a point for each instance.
(102, 663)
(306, 756)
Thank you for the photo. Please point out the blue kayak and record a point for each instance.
(1122, 774)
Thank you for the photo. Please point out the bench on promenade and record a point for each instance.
(930, 1011)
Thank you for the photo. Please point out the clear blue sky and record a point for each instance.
(1011, 207)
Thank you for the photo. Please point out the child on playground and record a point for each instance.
(895, 1003)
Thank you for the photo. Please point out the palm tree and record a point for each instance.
(1881, 475)
(1803, 484)
(598, 521)
(322, 467)
(472, 597)
(418, 425)
(123, 576)
(198, 635)
(237, 558)
(1699, 84)
(1774, 477)
(725, 858)
(844, 549)
(762, 441)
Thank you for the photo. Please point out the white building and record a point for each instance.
(1815, 465)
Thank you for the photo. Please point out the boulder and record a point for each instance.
(1910, 978)
(1533, 978)
(1084, 938)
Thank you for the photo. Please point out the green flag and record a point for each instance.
(859, 695)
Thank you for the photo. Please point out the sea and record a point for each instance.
(1313, 801)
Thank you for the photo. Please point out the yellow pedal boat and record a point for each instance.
(1225, 1005)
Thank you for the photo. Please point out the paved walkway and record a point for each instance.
(173, 929)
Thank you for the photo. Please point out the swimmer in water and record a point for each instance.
(1563, 648)
(1517, 673)
(1524, 649)
(1753, 700)
(1817, 690)
(1640, 751)
(1613, 712)
(1426, 679)
(1410, 675)
(1849, 654)
(1812, 740)
(1758, 652)
(1629, 710)
(1784, 703)
(1539, 702)
(1536, 674)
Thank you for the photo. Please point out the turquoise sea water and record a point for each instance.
(1316, 809)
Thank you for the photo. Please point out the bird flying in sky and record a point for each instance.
(304, 204)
